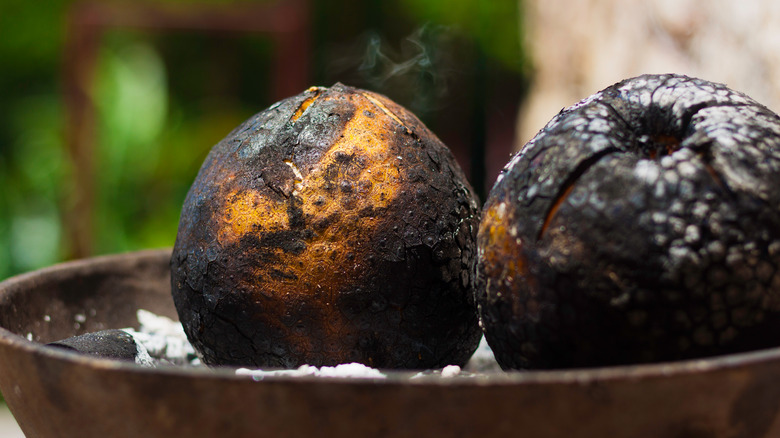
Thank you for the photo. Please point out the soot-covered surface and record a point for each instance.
(641, 224)
(332, 227)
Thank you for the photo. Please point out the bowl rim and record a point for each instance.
(607, 374)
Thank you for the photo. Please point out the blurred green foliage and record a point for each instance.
(164, 99)
(154, 133)
(33, 171)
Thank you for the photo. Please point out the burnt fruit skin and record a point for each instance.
(640, 225)
(333, 227)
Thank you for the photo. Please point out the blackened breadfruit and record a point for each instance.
(641, 224)
(332, 227)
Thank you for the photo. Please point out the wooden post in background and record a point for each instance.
(285, 22)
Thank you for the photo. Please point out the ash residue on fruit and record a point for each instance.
(641, 224)
(330, 228)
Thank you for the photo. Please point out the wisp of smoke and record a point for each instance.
(417, 73)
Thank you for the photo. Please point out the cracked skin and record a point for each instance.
(640, 225)
(332, 227)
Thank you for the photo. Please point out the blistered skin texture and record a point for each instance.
(642, 224)
(331, 228)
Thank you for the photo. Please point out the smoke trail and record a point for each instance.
(380, 67)
(416, 71)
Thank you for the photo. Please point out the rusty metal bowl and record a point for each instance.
(53, 392)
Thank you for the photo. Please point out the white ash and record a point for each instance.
(450, 371)
(483, 360)
(163, 339)
(447, 372)
(165, 342)
(481, 363)
(142, 356)
(347, 370)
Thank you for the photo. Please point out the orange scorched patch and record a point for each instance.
(502, 251)
(247, 211)
(342, 197)
(357, 173)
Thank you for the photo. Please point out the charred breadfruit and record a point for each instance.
(332, 227)
(640, 225)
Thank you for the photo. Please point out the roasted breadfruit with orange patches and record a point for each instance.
(332, 227)
(640, 225)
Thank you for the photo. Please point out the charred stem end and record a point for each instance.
(660, 145)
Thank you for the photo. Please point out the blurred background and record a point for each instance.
(107, 109)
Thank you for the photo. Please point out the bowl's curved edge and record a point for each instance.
(50, 390)
(88, 265)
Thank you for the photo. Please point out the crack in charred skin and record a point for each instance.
(717, 178)
(227, 321)
(387, 111)
(306, 103)
(704, 153)
(690, 113)
(618, 115)
(664, 85)
(297, 182)
(278, 190)
(568, 186)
